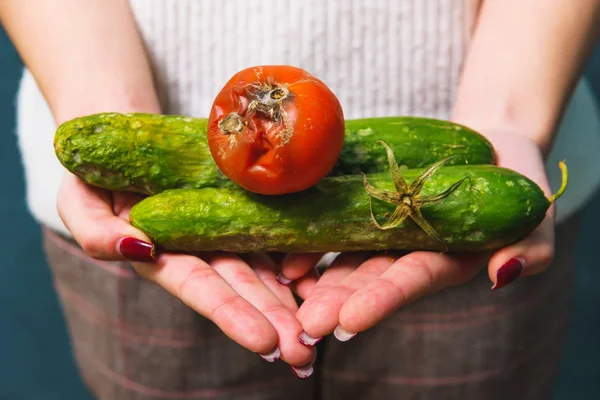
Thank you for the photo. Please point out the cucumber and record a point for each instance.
(492, 208)
(143, 153)
(149, 153)
(416, 142)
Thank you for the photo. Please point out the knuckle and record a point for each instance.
(245, 277)
(276, 311)
(92, 247)
(96, 240)
(400, 292)
(192, 281)
(328, 298)
(420, 267)
(228, 303)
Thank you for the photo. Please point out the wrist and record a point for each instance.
(506, 121)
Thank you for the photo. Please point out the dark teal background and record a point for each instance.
(35, 357)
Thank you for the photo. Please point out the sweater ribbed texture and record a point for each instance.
(380, 57)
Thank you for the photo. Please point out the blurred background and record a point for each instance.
(35, 357)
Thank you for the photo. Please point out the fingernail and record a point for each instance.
(507, 273)
(303, 372)
(283, 280)
(342, 335)
(272, 356)
(136, 249)
(308, 340)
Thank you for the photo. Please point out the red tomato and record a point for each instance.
(275, 129)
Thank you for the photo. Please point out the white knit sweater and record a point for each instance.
(380, 57)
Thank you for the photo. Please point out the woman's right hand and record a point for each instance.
(242, 297)
(245, 302)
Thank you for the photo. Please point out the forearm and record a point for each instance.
(86, 56)
(523, 63)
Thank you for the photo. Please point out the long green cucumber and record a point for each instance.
(494, 207)
(149, 153)
(415, 141)
(144, 153)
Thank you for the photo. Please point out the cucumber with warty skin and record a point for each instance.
(149, 153)
(415, 141)
(492, 208)
(144, 153)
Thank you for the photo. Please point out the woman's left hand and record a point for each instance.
(359, 290)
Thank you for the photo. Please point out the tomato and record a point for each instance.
(275, 129)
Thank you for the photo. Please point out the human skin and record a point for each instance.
(517, 108)
(89, 58)
(523, 62)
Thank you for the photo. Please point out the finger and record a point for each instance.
(530, 256)
(319, 313)
(296, 265)
(88, 214)
(407, 279)
(246, 283)
(199, 286)
(122, 202)
(303, 286)
(265, 269)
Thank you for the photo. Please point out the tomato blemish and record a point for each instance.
(276, 129)
(232, 123)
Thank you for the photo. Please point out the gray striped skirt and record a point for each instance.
(132, 340)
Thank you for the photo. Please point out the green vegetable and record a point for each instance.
(149, 153)
(142, 153)
(478, 208)
(416, 142)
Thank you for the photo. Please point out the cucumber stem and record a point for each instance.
(563, 185)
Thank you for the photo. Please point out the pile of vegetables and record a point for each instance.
(276, 167)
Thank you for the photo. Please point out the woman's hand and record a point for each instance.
(83, 66)
(514, 85)
(241, 296)
(359, 290)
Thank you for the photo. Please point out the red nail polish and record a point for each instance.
(507, 273)
(308, 340)
(136, 250)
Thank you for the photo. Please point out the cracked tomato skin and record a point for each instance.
(275, 129)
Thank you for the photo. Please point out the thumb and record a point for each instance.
(88, 214)
(530, 256)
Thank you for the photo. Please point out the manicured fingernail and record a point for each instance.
(308, 340)
(303, 372)
(272, 356)
(136, 250)
(283, 280)
(342, 335)
(507, 273)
